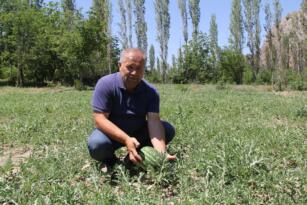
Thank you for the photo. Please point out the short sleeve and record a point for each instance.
(154, 101)
(102, 96)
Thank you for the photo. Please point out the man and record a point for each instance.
(126, 113)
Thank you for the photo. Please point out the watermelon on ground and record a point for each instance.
(151, 158)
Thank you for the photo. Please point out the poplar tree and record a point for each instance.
(108, 9)
(174, 62)
(141, 26)
(279, 80)
(158, 67)
(195, 16)
(152, 57)
(184, 17)
(102, 12)
(269, 54)
(37, 3)
(236, 38)
(69, 10)
(129, 23)
(163, 27)
(252, 27)
(214, 39)
(304, 23)
(123, 25)
(69, 5)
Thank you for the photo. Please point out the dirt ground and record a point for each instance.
(16, 155)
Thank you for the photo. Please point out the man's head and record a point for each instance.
(131, 67)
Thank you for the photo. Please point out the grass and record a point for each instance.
(235, 145)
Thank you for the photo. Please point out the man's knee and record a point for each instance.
(100, 146)
(169, 131)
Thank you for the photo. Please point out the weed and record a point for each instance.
(233, 146)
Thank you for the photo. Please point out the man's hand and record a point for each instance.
(132, 144)
(170, 157)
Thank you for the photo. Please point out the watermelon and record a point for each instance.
(151, 158)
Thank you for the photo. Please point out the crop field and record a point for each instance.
(234, 145)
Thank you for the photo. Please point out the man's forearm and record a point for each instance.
(110, 129)
(157, 134)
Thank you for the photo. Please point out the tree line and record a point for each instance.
(54, 42)
(44, 43)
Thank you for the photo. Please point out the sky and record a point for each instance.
(221, 8)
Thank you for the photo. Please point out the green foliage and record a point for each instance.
(163, 34)
(297, 81)
(152, 57)
(248, 77)
(264, 76)
(302, 112)
(194, 11)
(46, 43)
(9, 73)
(153, 76)
(236, 38)
(182, 4)
(232, 66)
(214, 47)
(196, 64)
(140, 25)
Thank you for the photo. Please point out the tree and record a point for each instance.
(37, 3)
(163, 27)
(129, 23)
(304, 22)
(110, 48)
(69, 5)
(101, 11)
(214, 39)
(123, 25)
(174, 63)
(158, 66)
(197, 62)
(152, 57)
(232, 66)
(269, 53)
(184, 17)
(279, 79)
(141, 26)
(236, 38)
(69, 11)
(195, 16)
(252, 27)
(304, 13)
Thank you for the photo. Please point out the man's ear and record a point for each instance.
(119, 64)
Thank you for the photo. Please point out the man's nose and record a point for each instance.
(133, 72)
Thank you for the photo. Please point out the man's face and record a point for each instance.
(132, 69)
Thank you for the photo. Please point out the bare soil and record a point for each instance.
(17, 155)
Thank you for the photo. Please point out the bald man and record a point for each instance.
(126, 113)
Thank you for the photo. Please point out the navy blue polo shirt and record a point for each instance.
(127, 110)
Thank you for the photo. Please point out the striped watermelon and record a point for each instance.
(151, 158)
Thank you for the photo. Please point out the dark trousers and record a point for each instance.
(102, 148)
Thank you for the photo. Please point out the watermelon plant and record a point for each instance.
(239, 145)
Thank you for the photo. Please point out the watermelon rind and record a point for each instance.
(151, 158)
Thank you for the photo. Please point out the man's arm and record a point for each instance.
(157, 133)
(106, 126)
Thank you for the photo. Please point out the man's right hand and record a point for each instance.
(132, 144)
